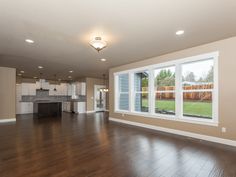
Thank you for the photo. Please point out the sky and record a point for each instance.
(199, 68)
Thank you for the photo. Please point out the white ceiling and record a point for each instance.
(134, 30)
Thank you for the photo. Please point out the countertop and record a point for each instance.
(52, 101)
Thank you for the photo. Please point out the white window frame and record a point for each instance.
(134, 92)
(178, 91)
(166, 91)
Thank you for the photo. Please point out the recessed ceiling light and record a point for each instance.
(22, 71)
(71, 71)
(180, 32)
(29, 41)
(103, 59)
(40, 67)
(19, 74)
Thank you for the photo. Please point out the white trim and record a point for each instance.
(185, 119)
(90, 111)
(7, 120)
(178, 132)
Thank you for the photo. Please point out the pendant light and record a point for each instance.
(55, 89)
(40, 80)
(104, 81)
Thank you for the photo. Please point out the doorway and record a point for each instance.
(99, 98)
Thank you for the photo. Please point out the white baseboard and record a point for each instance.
(90, 111)
(178, 132)
(7, 120)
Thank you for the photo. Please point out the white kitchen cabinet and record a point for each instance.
(79, 107)
(28, 89)
(80, 88)
(25, 108)
(45, 85)
(67, 106)
(69, 89)
(64, 89)
(51, 90)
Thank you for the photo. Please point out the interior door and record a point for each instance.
(99, 98)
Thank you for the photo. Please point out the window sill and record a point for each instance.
(172, 118)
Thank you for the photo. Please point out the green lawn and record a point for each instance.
(194, 108)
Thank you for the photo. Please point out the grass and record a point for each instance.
(191, 108)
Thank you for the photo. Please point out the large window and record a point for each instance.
(184, 90)
(197, 85)
(164, 81)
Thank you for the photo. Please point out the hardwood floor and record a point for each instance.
(89, 145)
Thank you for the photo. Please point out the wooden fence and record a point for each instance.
(194, 96)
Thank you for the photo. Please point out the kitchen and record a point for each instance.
(31, 97)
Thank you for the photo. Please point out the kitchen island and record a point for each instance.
(48, 108)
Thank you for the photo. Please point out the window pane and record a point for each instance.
(124, 83)
(141, 102)
(198, 104)
(164, 78)
(165, 103)
(198, 75)
(124, 101)
(141, 81)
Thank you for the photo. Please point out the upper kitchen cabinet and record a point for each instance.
(43, 84)
(80, 88)
(51, 89)
(69, 89)
(28, 89)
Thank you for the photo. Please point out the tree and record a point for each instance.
(165, 78)
(209, 76)
(190, 77)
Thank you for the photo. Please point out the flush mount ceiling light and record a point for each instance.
(71, 71)
(22, 71)
(98, 44)
(30, 41)
(40, 67)
(103, 59)
(180, 32)
(19, 74)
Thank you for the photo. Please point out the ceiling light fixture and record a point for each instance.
(71, 71)
(22, 71)
(103, 59)
(180, 32)
(30, 41)
(19, 74)
(40, 67)
(35, 77)
(98, 44)
(69, 77)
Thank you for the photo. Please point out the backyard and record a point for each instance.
(190, 108)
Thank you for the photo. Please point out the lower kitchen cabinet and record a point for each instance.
(24, 108)
(79, 107)
(66, 107)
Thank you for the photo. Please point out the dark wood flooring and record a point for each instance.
(90, 145)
